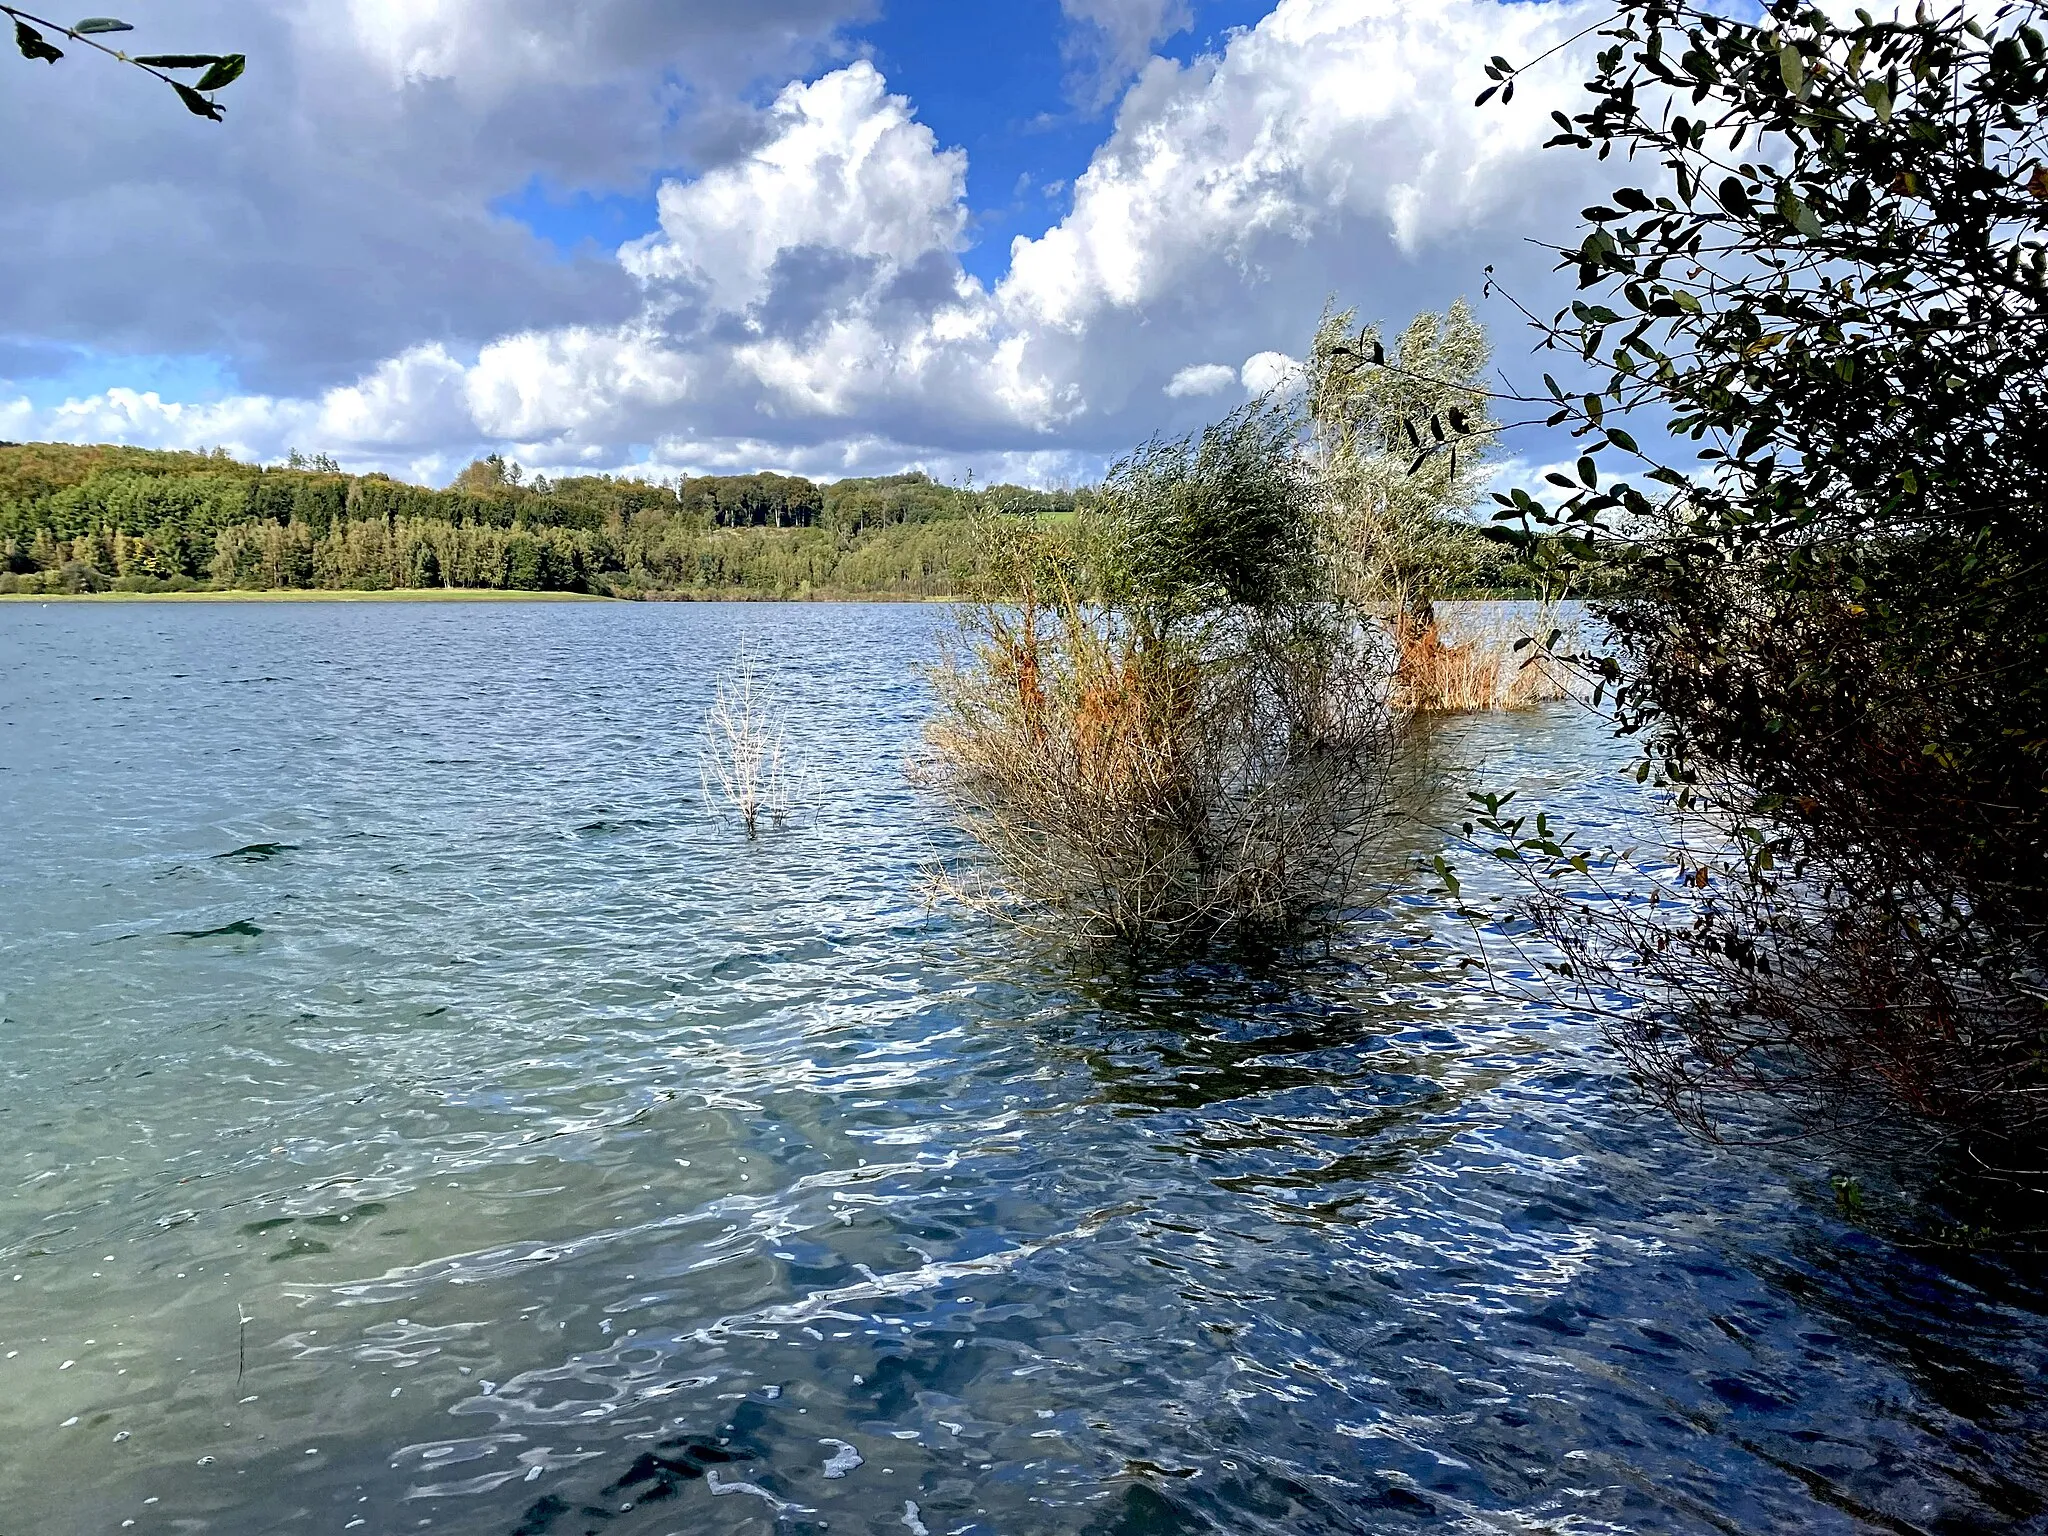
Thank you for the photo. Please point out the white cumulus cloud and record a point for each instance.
(1110, 40)
(1200, 379)
(1267, 372)
(847, 169)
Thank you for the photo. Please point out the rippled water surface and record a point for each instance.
(417, 1111)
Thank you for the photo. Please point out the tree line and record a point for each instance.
(87, 519)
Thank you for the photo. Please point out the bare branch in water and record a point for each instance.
(746, 759)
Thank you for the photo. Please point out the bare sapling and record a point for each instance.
(746, 760)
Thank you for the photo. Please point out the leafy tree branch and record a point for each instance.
(216, 70)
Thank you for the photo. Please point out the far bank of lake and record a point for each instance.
(301, 595)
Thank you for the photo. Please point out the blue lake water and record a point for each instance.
(419, 1112)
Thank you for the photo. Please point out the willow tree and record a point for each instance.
(1402, 516)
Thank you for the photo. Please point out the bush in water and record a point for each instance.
(1161, 726)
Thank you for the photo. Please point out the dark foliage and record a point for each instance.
(1833, 633)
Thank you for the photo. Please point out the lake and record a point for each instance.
(419, 1111)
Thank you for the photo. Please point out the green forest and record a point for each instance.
(99, 519)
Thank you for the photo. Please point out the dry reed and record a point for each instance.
(1477, 661)
(1158, 794)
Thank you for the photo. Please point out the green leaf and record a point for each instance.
(197, 104)
(226, 72)
(1792, 67)
(179, 60)
(93, 24)
(33, 44)
(1795, 212)
(1879, 95)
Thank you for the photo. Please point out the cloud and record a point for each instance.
(1200, 379)
(495, 49)
(803, 303)
(846, 170)
(343, 213)
(1331, 118)
(1266, 373)
(1108, 41)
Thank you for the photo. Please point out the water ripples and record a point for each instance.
(422, 1114)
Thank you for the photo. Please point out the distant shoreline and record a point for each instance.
(454, 595)
(503, 595)
(313, 595)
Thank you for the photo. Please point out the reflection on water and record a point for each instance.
(420, 1114)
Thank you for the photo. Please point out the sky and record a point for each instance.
(1009, 238)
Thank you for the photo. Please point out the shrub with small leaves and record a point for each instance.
(1829, 271)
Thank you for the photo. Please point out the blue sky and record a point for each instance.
(991, 79)
(51, 375)
(826, 236)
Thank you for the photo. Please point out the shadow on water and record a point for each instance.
(236, 930)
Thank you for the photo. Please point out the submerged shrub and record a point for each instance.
(1159, 725)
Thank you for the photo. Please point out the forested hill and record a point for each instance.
(78, 519)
